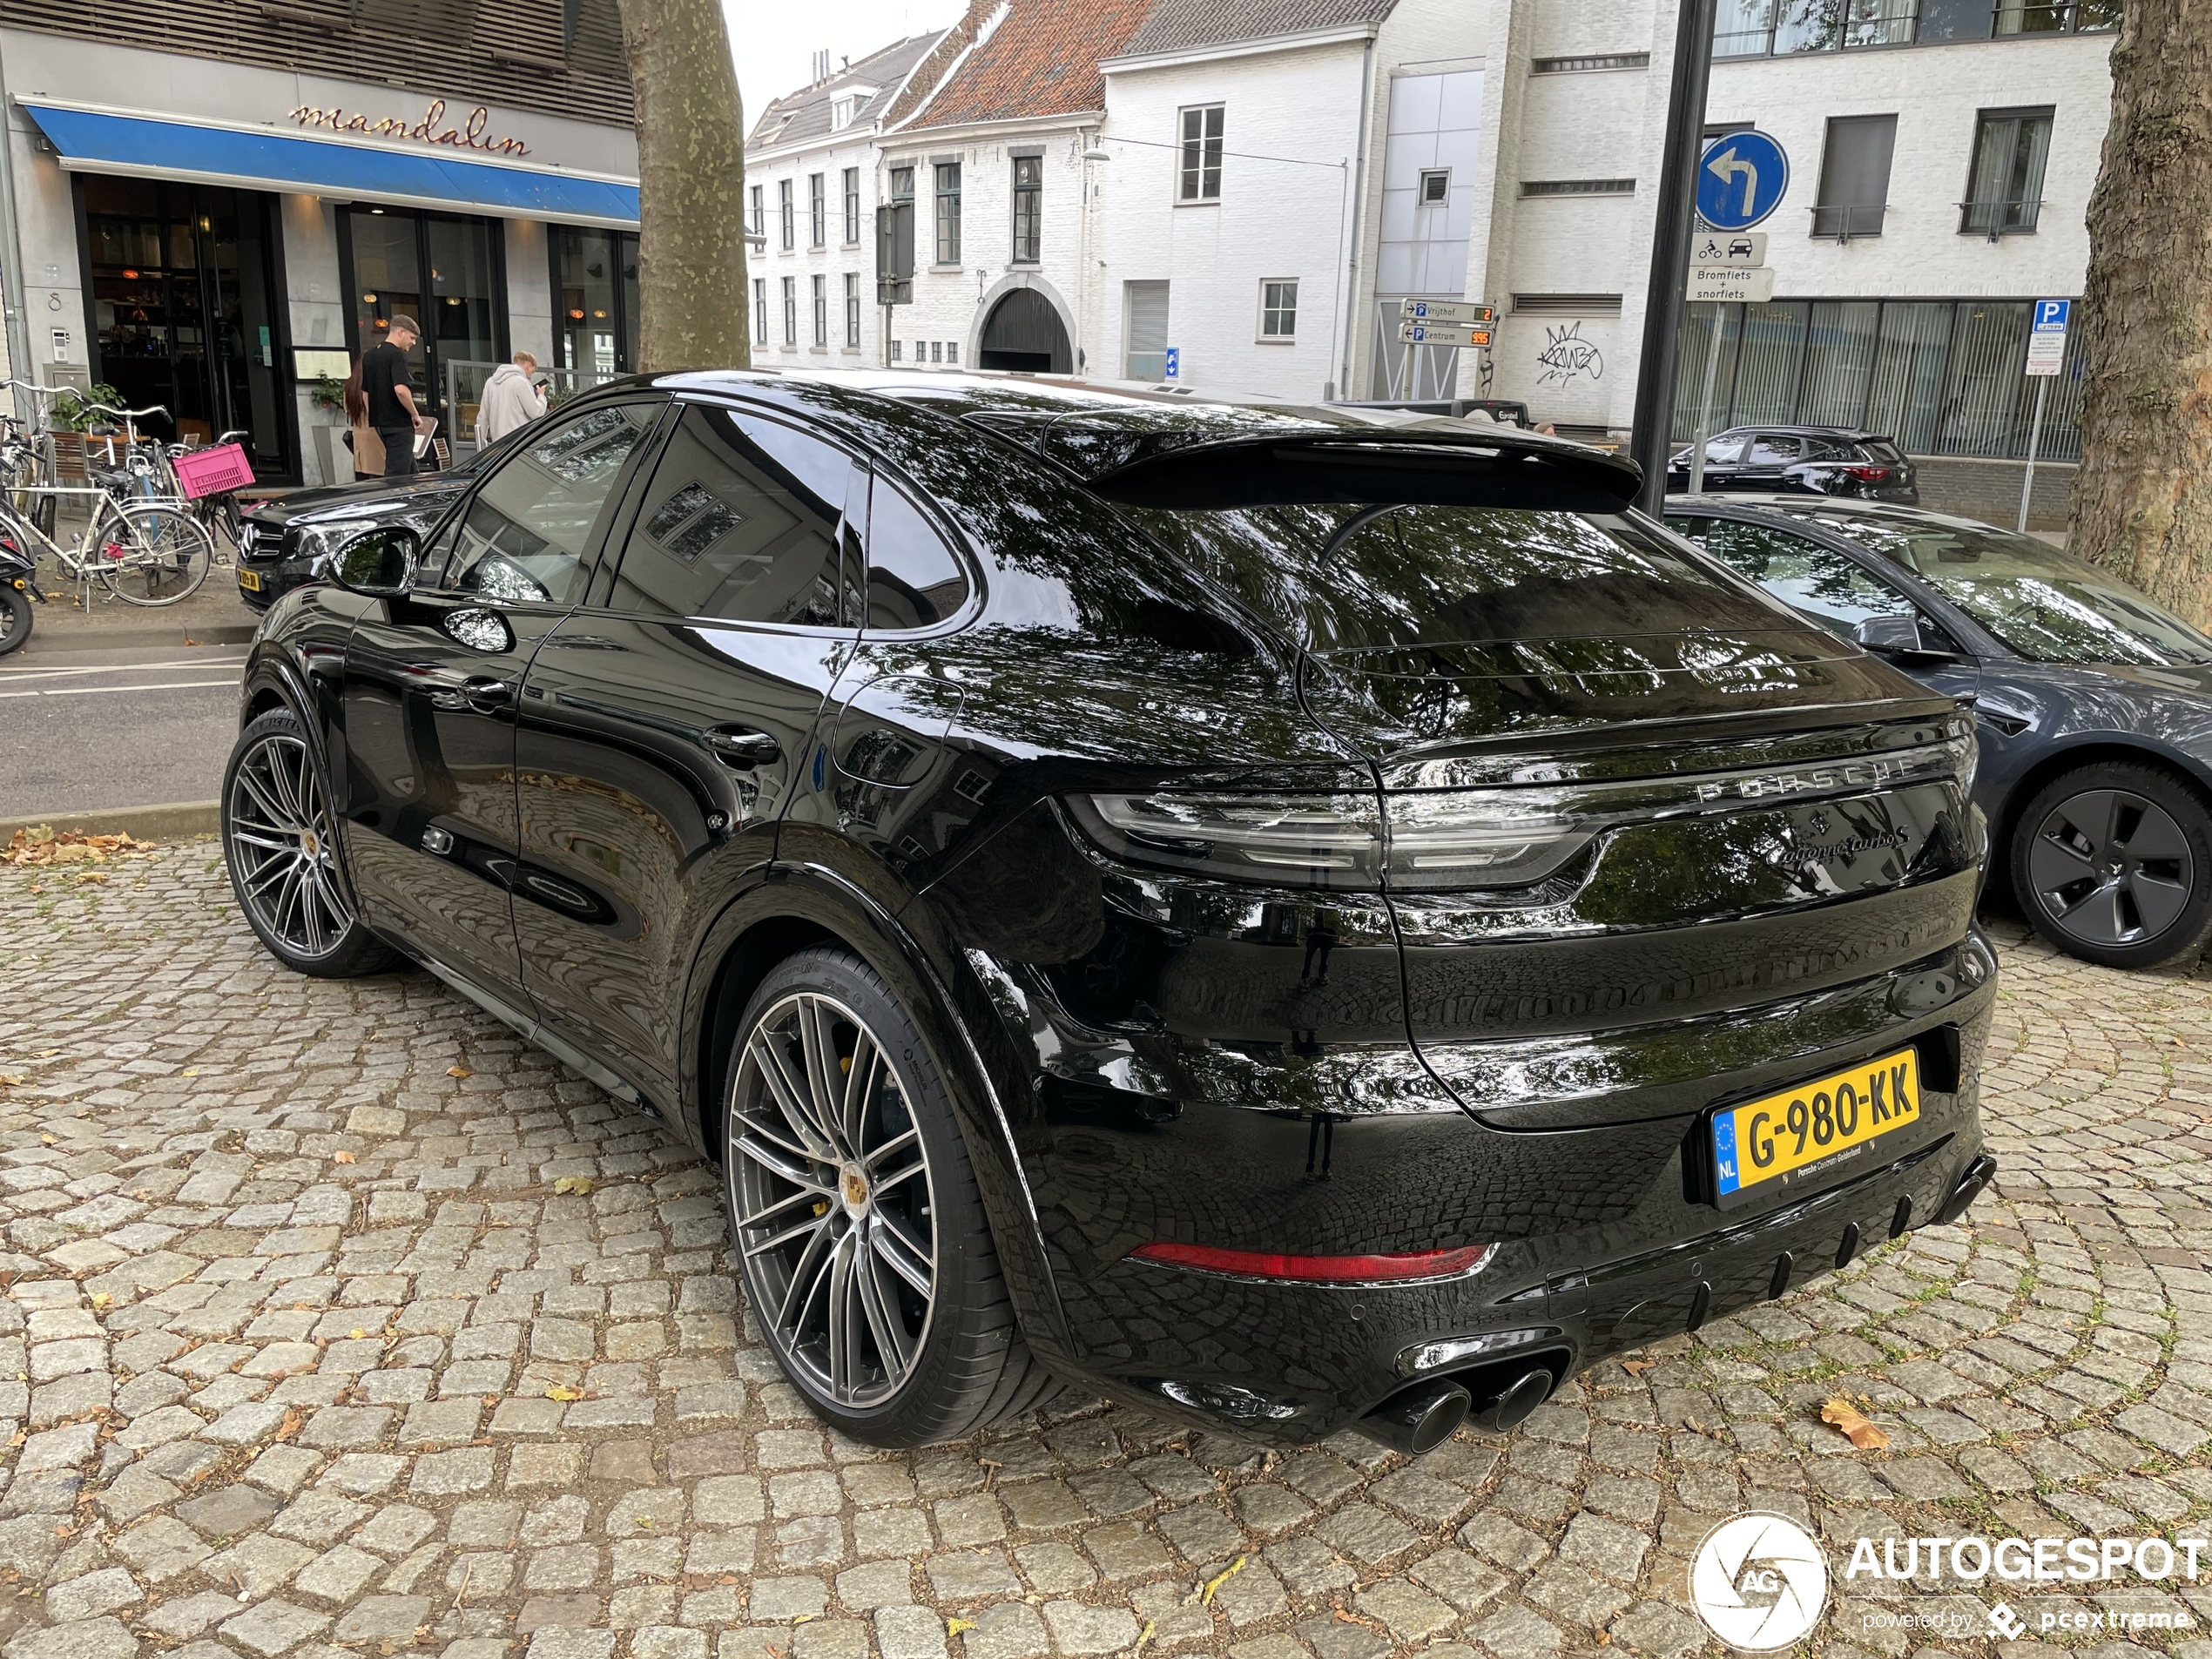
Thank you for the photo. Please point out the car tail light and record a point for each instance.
(1396, 1267)
(1867, 475)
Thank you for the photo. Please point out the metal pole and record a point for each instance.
(2034, 431)
(1705, 406)
(1670, 233)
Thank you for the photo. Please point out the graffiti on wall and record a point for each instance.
(1566, 357)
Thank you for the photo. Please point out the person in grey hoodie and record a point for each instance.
(511, 399)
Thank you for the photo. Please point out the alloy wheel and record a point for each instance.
(281, 848)
(2111, 867)
(830, 1185)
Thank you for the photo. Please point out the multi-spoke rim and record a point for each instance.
(2110, 868)
(831, 1188)
(281, 849)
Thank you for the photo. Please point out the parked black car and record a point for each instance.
(286, 541)
(1289, 921)
(1817, 460)
(2094, 705)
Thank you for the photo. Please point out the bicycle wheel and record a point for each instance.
(152, 554)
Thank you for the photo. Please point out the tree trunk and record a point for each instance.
(2142, 502)
(690, 183)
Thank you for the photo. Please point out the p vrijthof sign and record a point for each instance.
(431, 129)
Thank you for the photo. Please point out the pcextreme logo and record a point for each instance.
(1759, 1581)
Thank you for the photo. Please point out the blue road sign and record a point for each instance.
(1740, 181)
(2052, 314)
(1175, 363)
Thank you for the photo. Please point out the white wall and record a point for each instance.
(834, 260)
(1288, 218)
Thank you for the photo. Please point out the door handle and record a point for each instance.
(486, 694)
(735, 746)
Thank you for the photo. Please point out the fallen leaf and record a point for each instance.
(555, 1390)
(191, 1071)
(1637, 1367)
(1213, 1584)
(342, 1157)
(101, 1299)
(12, 1080)
(954, 1626)
(1862, 1434)
(293, 1422)
(459, 1071)
(357, 1333)
(576, 1183)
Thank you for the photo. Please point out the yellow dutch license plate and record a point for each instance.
(250, 580)
(1806, 1132)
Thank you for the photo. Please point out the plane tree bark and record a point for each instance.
(691, 174)
(2143, 501)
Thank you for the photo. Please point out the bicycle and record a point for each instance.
(144, 552)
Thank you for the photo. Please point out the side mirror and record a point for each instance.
(1897, 632)
(379, 564)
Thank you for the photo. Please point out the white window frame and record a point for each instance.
(1259, 327)
(1191, 154)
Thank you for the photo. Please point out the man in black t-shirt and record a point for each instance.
(391, 399)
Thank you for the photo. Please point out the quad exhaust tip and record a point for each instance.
(1422, 1418)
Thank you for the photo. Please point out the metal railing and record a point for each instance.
(1844, 220)
(1999, 218)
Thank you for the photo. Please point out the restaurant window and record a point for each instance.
(851, 206)
(790, 311)
(948, 213)
(817, 210)
(447, 272)
(1855, 176)
(595, 289)
(1198, 178)
(784, 207)
(2005, 186)
(186, 312)
(851, 308)
(1028, 208)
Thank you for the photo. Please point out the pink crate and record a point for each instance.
(210, 472)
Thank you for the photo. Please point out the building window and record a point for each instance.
(821, 285)
(1436, 187)
(1278, 310)
(1754, 28)
(760, 311)
(897, 351)
(1199, 179)
(948, 213)
(2056, 16)
(1591, 61)
(783, 202)
(902, 183)
(817, 210)
(851, 206)
(1578, 186)
(936, 351)
(2004, 189)
(1855, 176)
(952, 352)
(1145, 356)
(790, 311)
(595, 308)
(851, 308)
(841, 110)
(760, 225)
(1029, 209)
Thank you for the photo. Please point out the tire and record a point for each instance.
(154, 554)
(2112, 862)
(283, 861)
(872, 1213)
(15, 616)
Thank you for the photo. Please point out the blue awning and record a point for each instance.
(156, 147)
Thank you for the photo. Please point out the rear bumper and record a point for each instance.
(1601, 1245)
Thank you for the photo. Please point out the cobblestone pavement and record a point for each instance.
(307, 1354)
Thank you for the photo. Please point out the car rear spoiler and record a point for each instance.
(1289, 462)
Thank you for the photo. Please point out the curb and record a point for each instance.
(228, 633)
(174, 820)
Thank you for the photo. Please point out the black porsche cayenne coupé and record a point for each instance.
(1288, 920)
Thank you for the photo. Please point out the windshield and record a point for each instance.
(1346, 578)
(2048, 605)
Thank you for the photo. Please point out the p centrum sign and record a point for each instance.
(432, 128)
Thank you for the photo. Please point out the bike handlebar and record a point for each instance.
(126, 414)
(34, 389)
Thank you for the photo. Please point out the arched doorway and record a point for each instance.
(1024, 332)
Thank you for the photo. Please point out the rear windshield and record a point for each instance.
(1344, 578)
(1880, 449)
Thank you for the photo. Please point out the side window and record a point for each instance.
(1774, 449)
(743, 521)
(526, 535)
(1825, 585)
(914, 580)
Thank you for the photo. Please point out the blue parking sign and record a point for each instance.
(1175, 363)
(2054, 314)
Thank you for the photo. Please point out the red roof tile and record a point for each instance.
(1043, 60)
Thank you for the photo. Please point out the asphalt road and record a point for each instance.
(143, 725)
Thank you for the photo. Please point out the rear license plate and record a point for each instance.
(1819, 1127)
(250, 580)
